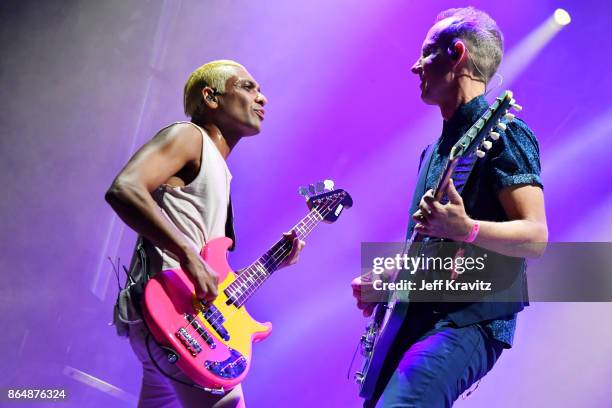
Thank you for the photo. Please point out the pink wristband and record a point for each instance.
(473, 233)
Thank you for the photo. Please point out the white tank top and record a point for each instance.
(199, 209)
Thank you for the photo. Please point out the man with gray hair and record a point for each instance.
(444, 348)
(175, 193)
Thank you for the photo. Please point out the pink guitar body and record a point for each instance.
(213, 344)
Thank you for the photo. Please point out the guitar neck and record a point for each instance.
(458, 170)
(252, 277)
(274, 256)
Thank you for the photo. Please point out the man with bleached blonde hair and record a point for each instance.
(175, 193)
(212, 74)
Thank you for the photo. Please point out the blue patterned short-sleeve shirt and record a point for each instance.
(513, 160)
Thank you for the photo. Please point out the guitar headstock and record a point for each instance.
(475, 139)
(326, 201)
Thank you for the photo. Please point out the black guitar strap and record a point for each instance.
(229, 224)
(421, 185)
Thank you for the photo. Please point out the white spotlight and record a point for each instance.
(562, 17)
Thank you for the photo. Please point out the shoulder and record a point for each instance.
(518, 132)
(180, 131)
(179, 137)
(516, 139)
(515, 157)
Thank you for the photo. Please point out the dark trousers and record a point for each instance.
(440, 366)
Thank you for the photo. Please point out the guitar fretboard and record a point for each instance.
(252, 277)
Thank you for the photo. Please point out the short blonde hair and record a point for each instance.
(213, 74)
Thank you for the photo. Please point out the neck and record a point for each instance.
(252, 277)
(223, 141)
(466, 90)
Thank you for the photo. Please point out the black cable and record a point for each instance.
(193, 385)
(116, 270)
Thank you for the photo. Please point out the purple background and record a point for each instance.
(83, 82)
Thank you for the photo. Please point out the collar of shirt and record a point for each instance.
(464, 117)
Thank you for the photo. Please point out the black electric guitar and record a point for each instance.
(377, 341)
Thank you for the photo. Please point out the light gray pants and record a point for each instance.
(158, 390)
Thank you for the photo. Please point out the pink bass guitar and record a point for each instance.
(211, 342)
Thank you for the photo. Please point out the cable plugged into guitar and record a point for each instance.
(171, 355)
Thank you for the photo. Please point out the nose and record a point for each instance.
(261, 99)
(417, 68)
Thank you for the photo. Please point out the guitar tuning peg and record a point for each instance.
(311, 189)
(480, 153)
(501, 126)
(494, 135)
(303, 191)
(487, 144)
(320, 187)
(329, 185)
(509, 116)
(515, 105)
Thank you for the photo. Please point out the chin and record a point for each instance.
(427, 99)
(252, 130)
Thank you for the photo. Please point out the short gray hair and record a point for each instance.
(483, 38)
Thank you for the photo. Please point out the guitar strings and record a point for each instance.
(240, 296)
(191, 329)
(325, 211)
(283, 250)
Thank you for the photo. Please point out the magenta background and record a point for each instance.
(83, 81)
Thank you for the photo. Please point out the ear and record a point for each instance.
(210, 98)
(457, 52)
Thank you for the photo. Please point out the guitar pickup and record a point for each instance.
(216, 319)
(201, 331)
(211, 313)
(222, 331)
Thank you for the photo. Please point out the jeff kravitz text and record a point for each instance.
(436, 285)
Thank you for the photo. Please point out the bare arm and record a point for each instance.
(526, 234)
(169, 152)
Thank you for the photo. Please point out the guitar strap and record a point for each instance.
(421, 185)
(229, 224)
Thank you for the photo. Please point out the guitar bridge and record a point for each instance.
(191, 344)
(368, 338)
